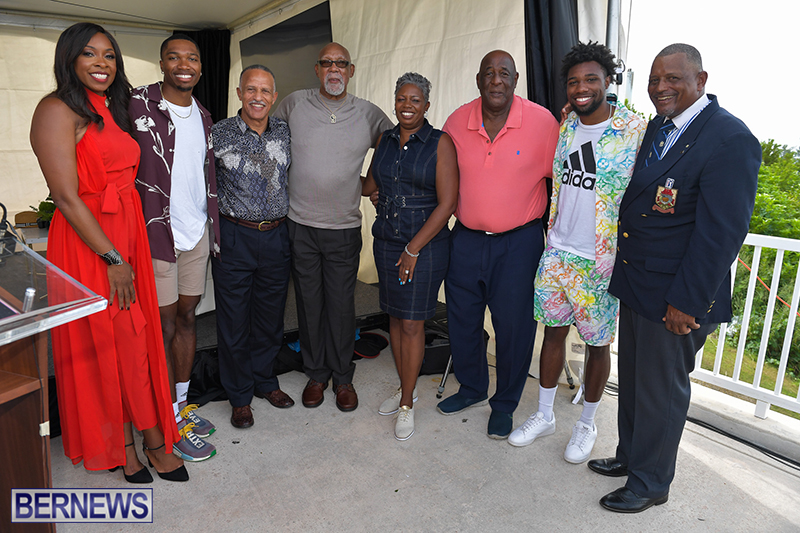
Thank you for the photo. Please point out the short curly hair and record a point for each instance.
(583, 52)
(414, 79)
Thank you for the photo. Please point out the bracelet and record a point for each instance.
(409, 253)
(112, 257)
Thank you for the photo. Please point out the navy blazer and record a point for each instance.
(680, 250)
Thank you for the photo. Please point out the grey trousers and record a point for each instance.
(324, 269)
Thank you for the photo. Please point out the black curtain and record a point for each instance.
(551, 29)
(215, 55)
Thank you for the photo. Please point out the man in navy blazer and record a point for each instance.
(682, 222)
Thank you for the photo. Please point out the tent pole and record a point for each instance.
(612, 26)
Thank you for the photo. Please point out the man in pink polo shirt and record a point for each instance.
(505, 147)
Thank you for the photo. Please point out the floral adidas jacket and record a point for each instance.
(155, 133)
(616, 157)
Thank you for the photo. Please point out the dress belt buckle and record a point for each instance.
(268, 223)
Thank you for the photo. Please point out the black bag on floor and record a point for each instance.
(287, 360)
(437, 352)
(206, 384)
(437, 347)
(369, 345)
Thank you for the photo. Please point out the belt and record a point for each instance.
(490, 234)
(264, 225)
(408, 202)
(394, 203)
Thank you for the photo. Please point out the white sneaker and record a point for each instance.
(535, 426)
(581, 444)
(390, 406)
(404, 426)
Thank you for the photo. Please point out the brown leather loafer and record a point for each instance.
(312, 394)
(277, 398)
(346, 397)
(242, 417)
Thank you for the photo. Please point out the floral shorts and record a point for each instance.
(568, 291)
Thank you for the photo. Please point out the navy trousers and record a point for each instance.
(251, 278)
(495, 271)
(654, 394)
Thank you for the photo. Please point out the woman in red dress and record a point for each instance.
(110, 367)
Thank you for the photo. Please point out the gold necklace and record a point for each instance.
(333, 115)
(191, 110)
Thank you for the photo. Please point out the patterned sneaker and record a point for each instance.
(202, 427)
(191, 447)
(404, 426)
(581, 444)
(390, 406)
(535, 426)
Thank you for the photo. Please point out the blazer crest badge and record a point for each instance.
(665, 197)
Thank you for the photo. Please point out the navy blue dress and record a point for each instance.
(406, 178)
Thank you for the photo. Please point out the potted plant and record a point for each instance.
(44, 213)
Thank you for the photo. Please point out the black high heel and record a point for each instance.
(142, 476)
(179, 474)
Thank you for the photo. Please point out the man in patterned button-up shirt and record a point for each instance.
(251, 277)
(179, 200)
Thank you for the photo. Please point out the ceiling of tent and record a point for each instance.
(166, 14)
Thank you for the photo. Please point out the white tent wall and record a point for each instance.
(26, 75)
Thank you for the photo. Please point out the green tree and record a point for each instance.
(777, 213)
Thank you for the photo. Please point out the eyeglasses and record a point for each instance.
(327, 63)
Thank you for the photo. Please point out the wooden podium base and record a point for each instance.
(24, 454)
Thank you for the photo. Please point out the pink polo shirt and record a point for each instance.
(501, 182)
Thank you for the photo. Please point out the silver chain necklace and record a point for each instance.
(333, 114)
(191, 110)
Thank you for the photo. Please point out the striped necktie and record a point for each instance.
(657, 150)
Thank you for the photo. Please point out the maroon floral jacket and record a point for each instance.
(156, 136)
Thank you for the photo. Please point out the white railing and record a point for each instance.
(764, 397)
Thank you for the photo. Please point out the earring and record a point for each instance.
(426, 114)
(394, 112)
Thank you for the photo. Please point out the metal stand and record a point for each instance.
(447, 369)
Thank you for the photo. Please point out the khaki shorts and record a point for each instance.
(187, 276)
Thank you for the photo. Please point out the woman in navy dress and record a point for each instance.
(414, 168)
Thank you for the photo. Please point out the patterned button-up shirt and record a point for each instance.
(252, 169)
(155, 133)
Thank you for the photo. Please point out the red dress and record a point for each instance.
(110, 367)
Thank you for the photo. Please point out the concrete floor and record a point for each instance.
(323, 470)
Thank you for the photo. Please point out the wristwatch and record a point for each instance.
(112, 257)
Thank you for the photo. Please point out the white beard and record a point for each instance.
(334, 89)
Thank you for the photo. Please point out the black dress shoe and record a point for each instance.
(608, 467)
(624, 500)
(179, 474)
(142, 476)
